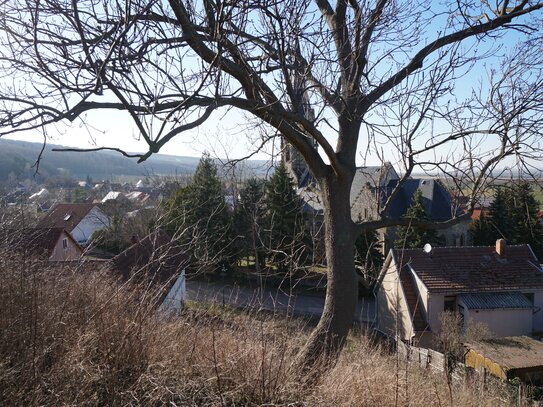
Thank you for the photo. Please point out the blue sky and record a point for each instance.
(226, 134)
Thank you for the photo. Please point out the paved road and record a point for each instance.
(248, 295)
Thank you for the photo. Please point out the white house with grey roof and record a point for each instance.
(500, 286)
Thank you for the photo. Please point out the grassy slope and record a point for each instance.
(78, 339)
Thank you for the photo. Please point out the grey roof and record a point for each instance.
(374, 177)
(503, 300)
(373, 185)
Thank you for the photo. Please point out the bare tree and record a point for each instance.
(387, 75)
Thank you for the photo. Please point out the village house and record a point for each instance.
(80, 220)
(158, 262)
(500, 286)
(53, 244)
(370, 190)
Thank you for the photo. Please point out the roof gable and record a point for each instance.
(35, 241)
(157, 259)
(435, 198)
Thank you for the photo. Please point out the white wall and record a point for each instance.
(71, 252)
(95, 220)
(436, 305)
(538, 316)
(392, 311)
(176, 296)
(502, 322)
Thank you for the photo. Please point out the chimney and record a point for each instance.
(501, 245)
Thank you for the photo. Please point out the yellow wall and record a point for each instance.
(477, 361)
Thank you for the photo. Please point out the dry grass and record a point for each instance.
(367, 375)
(74, 338)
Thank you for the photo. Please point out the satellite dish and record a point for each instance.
(427, 248)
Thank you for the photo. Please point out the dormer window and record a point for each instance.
(65, 243)
(67, 216)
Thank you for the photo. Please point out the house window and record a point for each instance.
(64, 243)
(450, 303)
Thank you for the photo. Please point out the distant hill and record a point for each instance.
(19, 157)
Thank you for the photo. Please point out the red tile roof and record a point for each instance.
(34, 241)
(66, 216)
(474, 269)
(414, 301)
(156, 259)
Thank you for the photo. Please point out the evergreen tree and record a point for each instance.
(284, 222)
(368, 256)
(198, 217)
(80, 195)
(249, 215)
(414, 236)
(526, 227)
(498, 224)
(512, 216)
(500, 214)
(482, 231)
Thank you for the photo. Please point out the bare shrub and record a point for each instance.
(69, 337)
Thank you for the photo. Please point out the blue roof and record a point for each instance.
(435, 198)
(506, 300)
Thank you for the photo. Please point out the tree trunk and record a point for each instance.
(329, 336)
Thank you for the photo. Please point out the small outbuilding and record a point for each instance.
(508, 357)
(53, 244)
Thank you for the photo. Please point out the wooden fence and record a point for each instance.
(425, 358)
(436, 361)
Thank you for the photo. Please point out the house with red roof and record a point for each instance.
(158, 263)
(81, 220)
(500, 286)
(54, 244)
